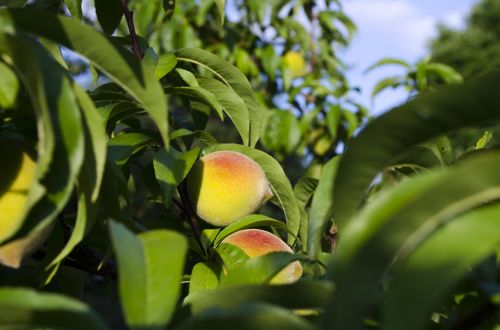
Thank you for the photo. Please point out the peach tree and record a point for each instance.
(160, 189)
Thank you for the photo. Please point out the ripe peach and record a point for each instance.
(257, 242)
(225, 186)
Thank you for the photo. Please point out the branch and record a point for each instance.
(89, 260)
(129, 16)
(191, 216)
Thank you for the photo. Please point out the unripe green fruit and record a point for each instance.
(256, 242)
(294, 61)
(225, 186)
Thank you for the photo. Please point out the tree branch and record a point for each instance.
(191, 216)
(129, 16)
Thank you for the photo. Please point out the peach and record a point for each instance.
(295, 63)
(17, 171)
(12, 253)
(257, 242)
(225, 186)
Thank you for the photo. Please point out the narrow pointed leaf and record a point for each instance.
(233, 78)
(321, 206)
(118, 63)
(427, 116)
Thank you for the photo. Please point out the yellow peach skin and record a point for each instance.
(257, 242)
(17, 171)
(295, 63)
(225, 186)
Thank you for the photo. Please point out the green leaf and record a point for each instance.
(232, 256)
(300, 295)
(327, 20)
(281, 187)
(259, 269)
(445, 72)
(113, 113)
(166, 63)
(204, 136)
(390, 61)
(303, 191)
(55, 51)
(347, 22)
(60, 131)
(171, 167)
(251, 221)
(121, 147)
(119, 64)
(96, 149)
(203, 277)
(333, 120)
(90, 177)
(321, 206)
(150, 57)
(75, 7)
(484, 140)
(109, 14)
(300, 33)
(113, 187)
(437, 265)
(270, 61)
(258, 9)
(247, 317)
(232, 77)
(232, 105)
(150, 267)
(188, 77)
(390, 227)
(419, 157)
(9, 86)
(427, 116)
(26, 308)
(199, 94)
(281, 131)
(421, 74)
(221, 4)
(385, 83)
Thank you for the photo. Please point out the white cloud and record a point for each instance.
(454, 19)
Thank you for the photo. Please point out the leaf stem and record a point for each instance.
(129, 16)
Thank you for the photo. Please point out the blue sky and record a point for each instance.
(395, 28)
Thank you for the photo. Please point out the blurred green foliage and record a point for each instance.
(474, 50)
